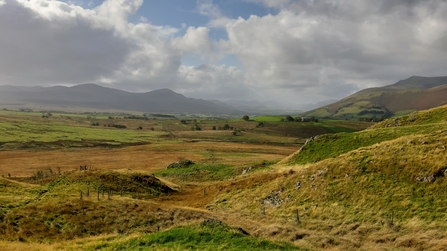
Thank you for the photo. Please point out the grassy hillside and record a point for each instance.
(382, 187)
(208, 235)
(332, 145)
(412, 94)
(82, 203)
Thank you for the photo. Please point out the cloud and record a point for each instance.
(332, 48)
(213, 82)
(306, 52)
(50, 42)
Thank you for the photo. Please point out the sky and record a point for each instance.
(289, 51)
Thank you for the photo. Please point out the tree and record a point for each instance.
(226, 127)
(246, 118)
(289, 118)
(196, 127)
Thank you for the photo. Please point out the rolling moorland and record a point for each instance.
(263, 184)
(47, 202)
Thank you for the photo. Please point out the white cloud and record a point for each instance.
(50, 42)
(331, 48)
(308, 51)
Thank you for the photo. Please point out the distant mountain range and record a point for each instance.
(104, 98)
(405, 96)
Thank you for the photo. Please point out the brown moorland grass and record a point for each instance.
(150, 158)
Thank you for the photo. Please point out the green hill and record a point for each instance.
(403, 97)
(385, 186)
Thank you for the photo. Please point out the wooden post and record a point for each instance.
(297, 216)
(392, 218)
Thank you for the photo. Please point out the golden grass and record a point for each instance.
(150, 158)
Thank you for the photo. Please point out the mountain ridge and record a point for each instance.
(99, 97)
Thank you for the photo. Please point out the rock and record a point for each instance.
(273, 199)
(427, 179)
(180, 164)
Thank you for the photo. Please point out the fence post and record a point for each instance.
(392, 218)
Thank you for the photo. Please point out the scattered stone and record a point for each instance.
(273, 199)
(427, 179)
(320, 172)
(246, 170)
(298, 185)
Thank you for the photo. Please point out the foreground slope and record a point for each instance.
(412, 94)
(382, 188)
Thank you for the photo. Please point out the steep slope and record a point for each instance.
(412, 94)
(98, 97)
(383, 188)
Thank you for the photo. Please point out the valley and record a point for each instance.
(72, 182)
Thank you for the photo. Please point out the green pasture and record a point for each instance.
(200, 172)
(204, 236)
(268, 118)
(55, 131)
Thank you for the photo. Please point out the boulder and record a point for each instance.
(180, 164)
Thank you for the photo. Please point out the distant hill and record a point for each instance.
(403, 97)
(98, 97)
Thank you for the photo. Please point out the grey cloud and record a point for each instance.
(39, 50)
